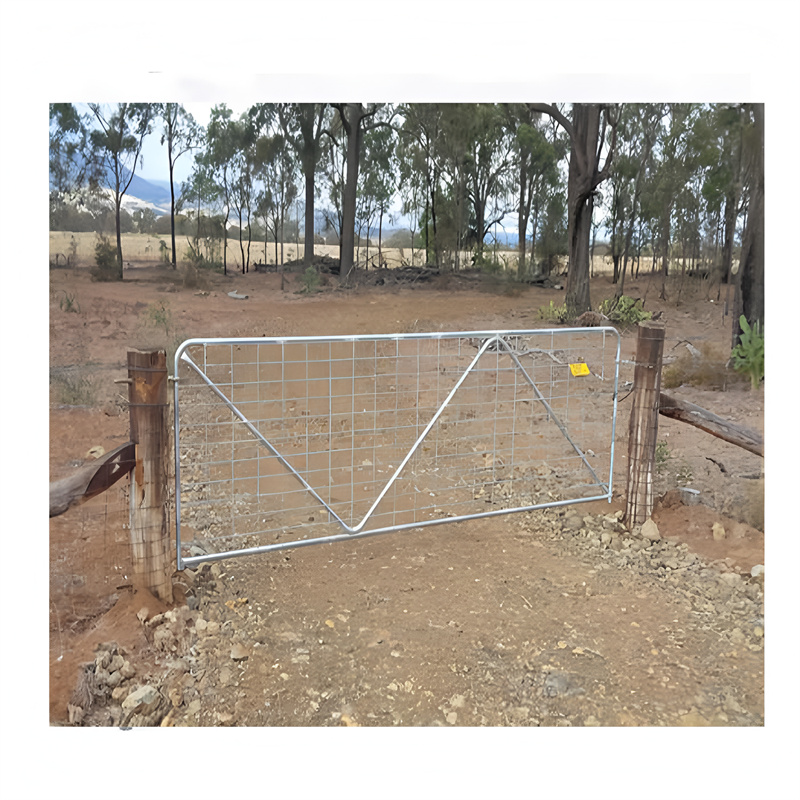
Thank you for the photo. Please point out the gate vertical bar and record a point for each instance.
(643, 429)
(149, 527)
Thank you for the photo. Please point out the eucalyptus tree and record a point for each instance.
(749, 295)
(452, 152)
(182, 134)
(411, 183)
(116, 149)
(68, 162)
(242, 133)
(304, 125)
(214, 166)
(587, 130)
(378, 183)
(203, 190)
(638, 128)
(355, 119)
(487, 164)
(420, 133)
(333, 162)
(536, 160)
(676, 162)
(718, 137)
(278, 171)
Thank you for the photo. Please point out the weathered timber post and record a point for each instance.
(643, 428)
(150, 536)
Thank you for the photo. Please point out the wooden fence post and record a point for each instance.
(150, 535)
(643, 428)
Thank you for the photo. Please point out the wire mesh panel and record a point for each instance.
(293, 441)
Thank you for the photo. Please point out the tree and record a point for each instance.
(638, 130)
(749, 297)
(214, 167)
(378, 181)
(675, 165)
(181, 134)
(117, 148)
(68, 162)
(303, 126)
(355, 119)
(587, 131)
(419, 134)
(536, 160)
(144, 220)
(487, 160)
(279, 173)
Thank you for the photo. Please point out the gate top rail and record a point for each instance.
(372, 337)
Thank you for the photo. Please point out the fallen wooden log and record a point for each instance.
(684, 411)
(91, 479)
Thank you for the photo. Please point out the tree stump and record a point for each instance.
(643, 429)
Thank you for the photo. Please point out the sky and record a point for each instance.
(154, 154)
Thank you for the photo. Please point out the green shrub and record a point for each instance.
(748, 355)
(554, 313)
(310, 280)
(105, 256)
(624, 310)
(69, 303)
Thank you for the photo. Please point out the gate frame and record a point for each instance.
(489, 336)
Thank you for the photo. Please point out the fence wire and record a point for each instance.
(90, 562)
(292, 441)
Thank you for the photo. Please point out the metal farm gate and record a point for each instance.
(286, 442)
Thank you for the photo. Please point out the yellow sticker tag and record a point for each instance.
(579, 369)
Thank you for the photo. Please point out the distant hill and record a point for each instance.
(153, 192)
(143, 193)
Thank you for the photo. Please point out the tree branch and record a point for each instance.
(551, 110)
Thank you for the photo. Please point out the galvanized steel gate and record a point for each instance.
(287, 442)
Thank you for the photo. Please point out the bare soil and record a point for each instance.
(553, 618)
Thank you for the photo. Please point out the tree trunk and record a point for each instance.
(749, 295)
(522, 226)
(380, 236)
(352, 125)
(582, 181)
(308, 251)
(119, 236)
(664, 258)
(172, 202)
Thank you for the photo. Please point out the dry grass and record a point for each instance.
(708, 370)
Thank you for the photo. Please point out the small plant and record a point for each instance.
(662, 455)
(684, 475)
(310, 280)
(748, 355)
(624, 310)
(69, 303)
(553, 312)
(105, 256)
(159, 315)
